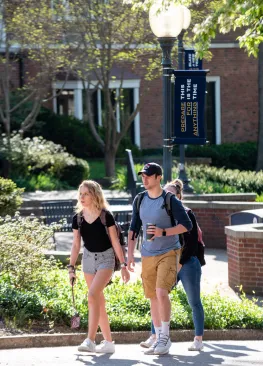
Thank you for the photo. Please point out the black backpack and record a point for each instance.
(167, 197)
(119, 230)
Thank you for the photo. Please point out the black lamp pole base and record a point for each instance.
(182, 175)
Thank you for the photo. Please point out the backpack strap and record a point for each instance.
(79, 220)
(137, 204)
(168, 196)
(139, 199)
(103, 221)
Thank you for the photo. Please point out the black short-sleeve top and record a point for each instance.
(94, 235)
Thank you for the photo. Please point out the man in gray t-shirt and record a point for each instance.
(160, 255)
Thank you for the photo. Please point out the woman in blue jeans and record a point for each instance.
(189, 273)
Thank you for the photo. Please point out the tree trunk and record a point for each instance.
(109, 160)
(260, 101)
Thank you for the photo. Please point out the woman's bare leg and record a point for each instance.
(97, 312)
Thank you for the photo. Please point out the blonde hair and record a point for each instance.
(96, 192)
(176, 186)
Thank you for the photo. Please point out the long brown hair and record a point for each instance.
(94, 188)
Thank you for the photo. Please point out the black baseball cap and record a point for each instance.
(151, 169)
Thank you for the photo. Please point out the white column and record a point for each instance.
(137, 132)
(218, 111)
(78, 104)
(55, 110)
(99, 107)
(118, 121)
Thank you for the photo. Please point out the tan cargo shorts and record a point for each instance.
(159, 272)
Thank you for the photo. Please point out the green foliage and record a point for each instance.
(10, 197)
(41, 182)
(121, 180)
(240, 181)
(70, 132)
(77, 172)
(126, 305)
(240, 156)
(224, 16)
(22, 244)
(41, 162)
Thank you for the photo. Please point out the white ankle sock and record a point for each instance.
(165, 328)
(158, 330)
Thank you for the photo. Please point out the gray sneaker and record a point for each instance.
(149, 342)
(196, 346)
(87, 346)
(150, 350)
(163, 345)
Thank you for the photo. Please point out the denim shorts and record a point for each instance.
(94, 261)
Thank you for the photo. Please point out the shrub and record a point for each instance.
(22, 244)
(74, 174)
(42, 182)
(240, 156)
(37, 159)
(70, 132)
(127, 307)
(10, 197)
(75, 135)
(242, 181)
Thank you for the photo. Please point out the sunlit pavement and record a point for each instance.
(235, 353)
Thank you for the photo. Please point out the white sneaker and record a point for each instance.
(87, 346)
(149, 342)
(105, 347)
(196, 346)
(163, 345)
(150, 350)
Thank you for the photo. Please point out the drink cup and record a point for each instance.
(149, 236)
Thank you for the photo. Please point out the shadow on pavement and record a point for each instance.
(214, 354)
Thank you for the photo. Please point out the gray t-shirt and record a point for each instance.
(153, 211)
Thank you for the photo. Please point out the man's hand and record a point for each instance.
(156, 231)
(130, 262)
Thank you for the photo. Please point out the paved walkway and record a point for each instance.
(234, 353)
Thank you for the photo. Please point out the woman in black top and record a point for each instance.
(189, 273)
(98, 259)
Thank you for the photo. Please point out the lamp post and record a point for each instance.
(166, 22)
(186, 22)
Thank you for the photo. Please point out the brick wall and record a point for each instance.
(239, 99)
(245, 258)
(239, 93)
(214, 216)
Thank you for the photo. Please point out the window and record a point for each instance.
(213, 110)
(210, 122)
(65, 103)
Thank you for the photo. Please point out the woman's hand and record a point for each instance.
(125, 274)
(72, 277)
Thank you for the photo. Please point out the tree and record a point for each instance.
(109, 36)
(226, 15)
(28, 32)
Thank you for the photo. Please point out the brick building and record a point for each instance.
(231, 113)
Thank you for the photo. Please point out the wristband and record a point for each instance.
(70, 266)
(123, 265)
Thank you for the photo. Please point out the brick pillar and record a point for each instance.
(245, 257)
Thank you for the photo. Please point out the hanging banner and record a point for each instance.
(189, 107)
(191, 62)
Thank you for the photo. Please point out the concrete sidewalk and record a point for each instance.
(234, 353)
